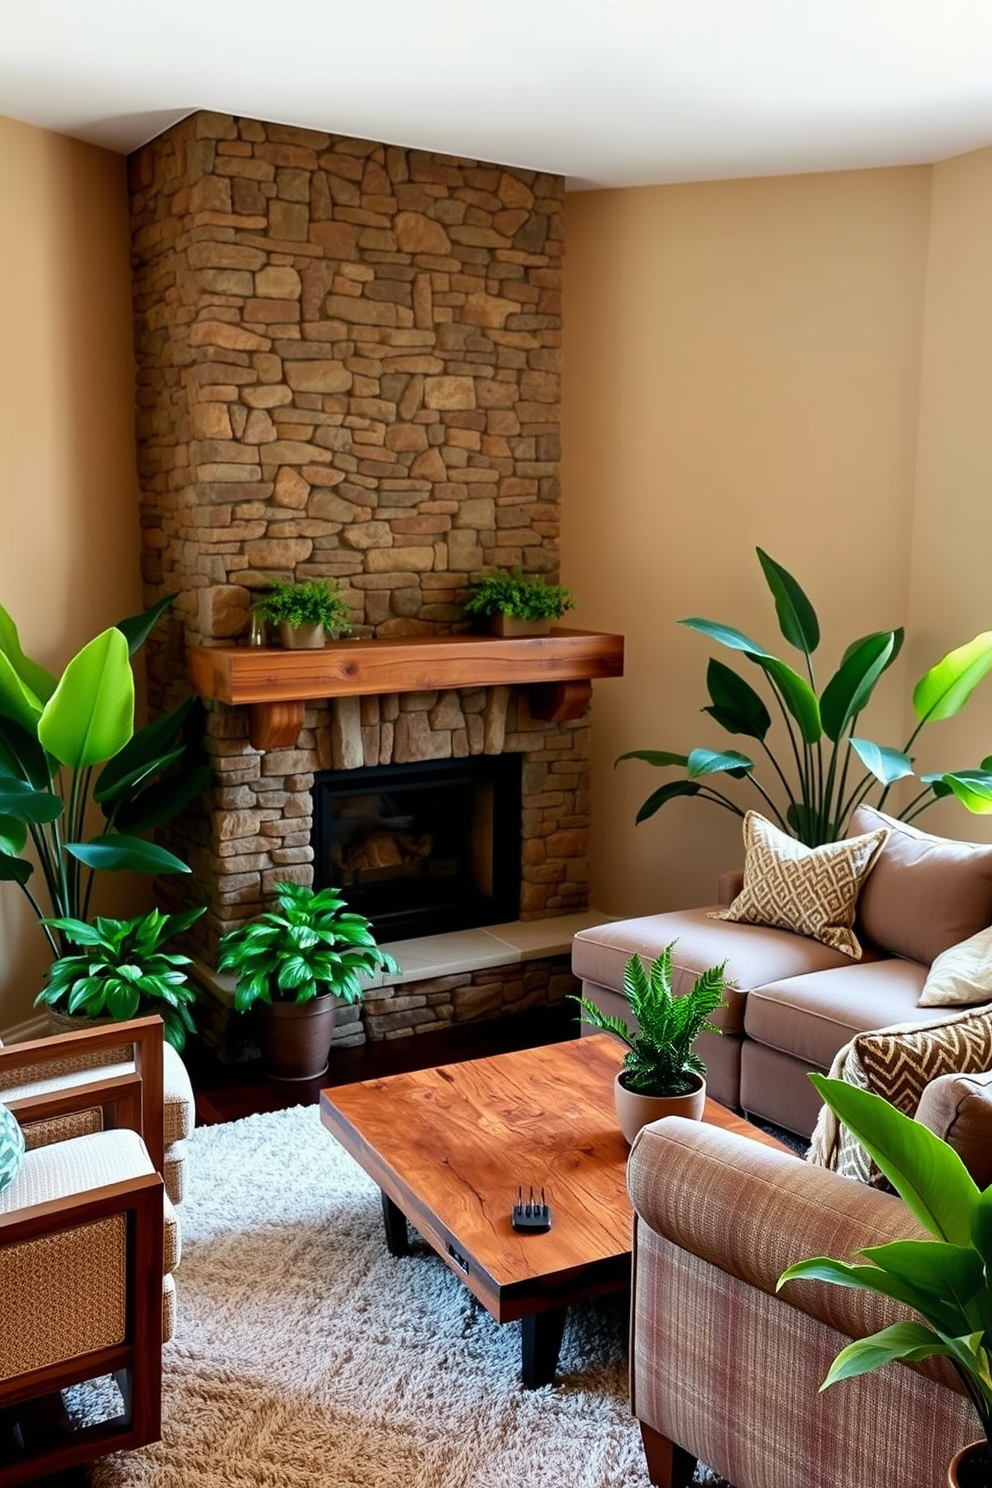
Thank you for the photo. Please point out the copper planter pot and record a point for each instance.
(635, 1110)
(971, 1467)
(296, 1037)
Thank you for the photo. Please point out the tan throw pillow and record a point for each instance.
(898, 1063)
(961, 975)
(810, 890)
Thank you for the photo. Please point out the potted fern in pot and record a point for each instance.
(306, 613)
(662, 1075)
(291, 963)
(518, 604)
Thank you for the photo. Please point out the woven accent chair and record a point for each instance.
(88, 1244)
(724, 1370)
(70, 1063)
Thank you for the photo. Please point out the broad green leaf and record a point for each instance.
(716, 762)
(796, 616)
(665, 794)
(887, 765)
(948, 1272)
(898, 634)
(35, 677)
(162, 800)
(981, 1227)
(20, 800)
(973, 789)
(107, 796)
(90, 715)
(947, 686)
(926, 1172)
(873, 1279)
(22, 755)
(14, 870)
(850, 688)
(18, 701)
(799, 697)
(659, 757)
(137, 628)
(909, 1341)
(13, 835)
(736, 705)
(147, 747)
(805, 822)
(115, 852)
(727, 635)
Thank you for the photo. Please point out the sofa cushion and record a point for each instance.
(958, 1109)
(811, 890)
(962, 974)
(754, 954)
(898, 1063)
(925, 893)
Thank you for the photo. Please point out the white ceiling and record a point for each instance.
(606, 92)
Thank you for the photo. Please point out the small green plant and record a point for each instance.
(947, 1280)
(660, 1059)
(524, 596)
(309, 944)
(122, 971)
(313, 602)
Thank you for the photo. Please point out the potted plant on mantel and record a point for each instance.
(306, 613)
(662, 1075)
(947, 1280)
(291, 963)
(518, 604)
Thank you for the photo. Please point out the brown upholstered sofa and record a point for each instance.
(797, 1002)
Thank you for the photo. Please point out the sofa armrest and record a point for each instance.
(728, 886)
(752, 1211)
(958, 1109)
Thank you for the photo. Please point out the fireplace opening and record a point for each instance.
(422, 848)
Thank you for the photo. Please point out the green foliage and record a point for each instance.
(948, 1280)
(54, 736)
(314, 602)
(660, 1059)
(122, 972)
(525, 596)
(826, 770)
(309, 944)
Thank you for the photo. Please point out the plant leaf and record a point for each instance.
(14, 870)
(851, 686)
(161, 800)
(665, 794)
(17, 701)
(727, 635)
(21, 800)
(799, 697)
(35, 677)
(946, 687)
(899, 635)
(736, 705)
(716, 762)
(873, 1279)
(13, 835)
(973, 789)
(137, 628)
(796, 616)
(114, 852)
(910, 1341)
(658, 757)
(149, 746)
(887, 765)
(90, 715)
(21, 754)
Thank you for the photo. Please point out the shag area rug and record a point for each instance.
(308, 1357)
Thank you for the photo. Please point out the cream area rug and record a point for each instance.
(308, 1357)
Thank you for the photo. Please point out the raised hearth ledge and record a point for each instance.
(275, 684)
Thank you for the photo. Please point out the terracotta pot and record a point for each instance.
(510, 625)
(301, 637)
(635, 1110)
(971, 1467)
(296, 1037)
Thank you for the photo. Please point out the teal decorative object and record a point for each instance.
(11, 1147)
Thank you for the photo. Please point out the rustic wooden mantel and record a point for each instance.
(275, 685)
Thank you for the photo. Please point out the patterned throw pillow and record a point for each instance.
(811, 890)
(898, 1064)
(11, 1147)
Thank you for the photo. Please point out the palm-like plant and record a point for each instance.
(815, 789)
(660, 1059)
(309, 944)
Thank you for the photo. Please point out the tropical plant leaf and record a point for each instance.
(147, 748)
(946, 687)
(115, 852)
(36, 678)
(18, 701)
(13, 835)
(887, 765)
(162, 800)
(899, 635)
(798, 696)
(22, 756)
(851, 686)
(90, 715)
(717, 762)
(909, 1341)
(14, 870)
(973, 789)
(872, 1279)
(658, 757)
(727, 635)
(735, 704)
(932, 1267)
(21, 800)
(137, 628)
(796, 616)
(665, 794)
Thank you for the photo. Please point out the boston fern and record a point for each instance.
(122, 972)
(524, 596)
(308, 945)
(660, 1059)
(827, 768)
(312, 602)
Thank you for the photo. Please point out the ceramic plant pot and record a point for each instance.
(510, 625)
(971, 1467)
(295, 1037)
(301, 637)
(635, 1110)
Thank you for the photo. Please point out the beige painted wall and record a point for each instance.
(742, 368)
(68, 490)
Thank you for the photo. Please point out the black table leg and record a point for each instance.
(397, 1234)
(540, 1339)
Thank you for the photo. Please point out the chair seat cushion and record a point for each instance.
(178, 1100)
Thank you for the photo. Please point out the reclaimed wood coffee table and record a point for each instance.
(450, 1147)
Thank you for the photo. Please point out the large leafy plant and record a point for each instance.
(947, 1280)
(68, 745)
(660, 1059)
(308, 944)
(121, 971)
(828, 767)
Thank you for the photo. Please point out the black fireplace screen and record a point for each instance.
(422, 848)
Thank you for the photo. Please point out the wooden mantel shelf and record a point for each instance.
(274, 684)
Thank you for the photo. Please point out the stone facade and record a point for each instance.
(348, 365)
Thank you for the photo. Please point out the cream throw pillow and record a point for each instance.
(810, 890)
(962, 974)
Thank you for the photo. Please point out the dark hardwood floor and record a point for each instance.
(228, 1092)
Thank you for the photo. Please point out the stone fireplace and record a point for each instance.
(348, 365)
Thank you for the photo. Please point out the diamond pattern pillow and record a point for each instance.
(810, 890)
